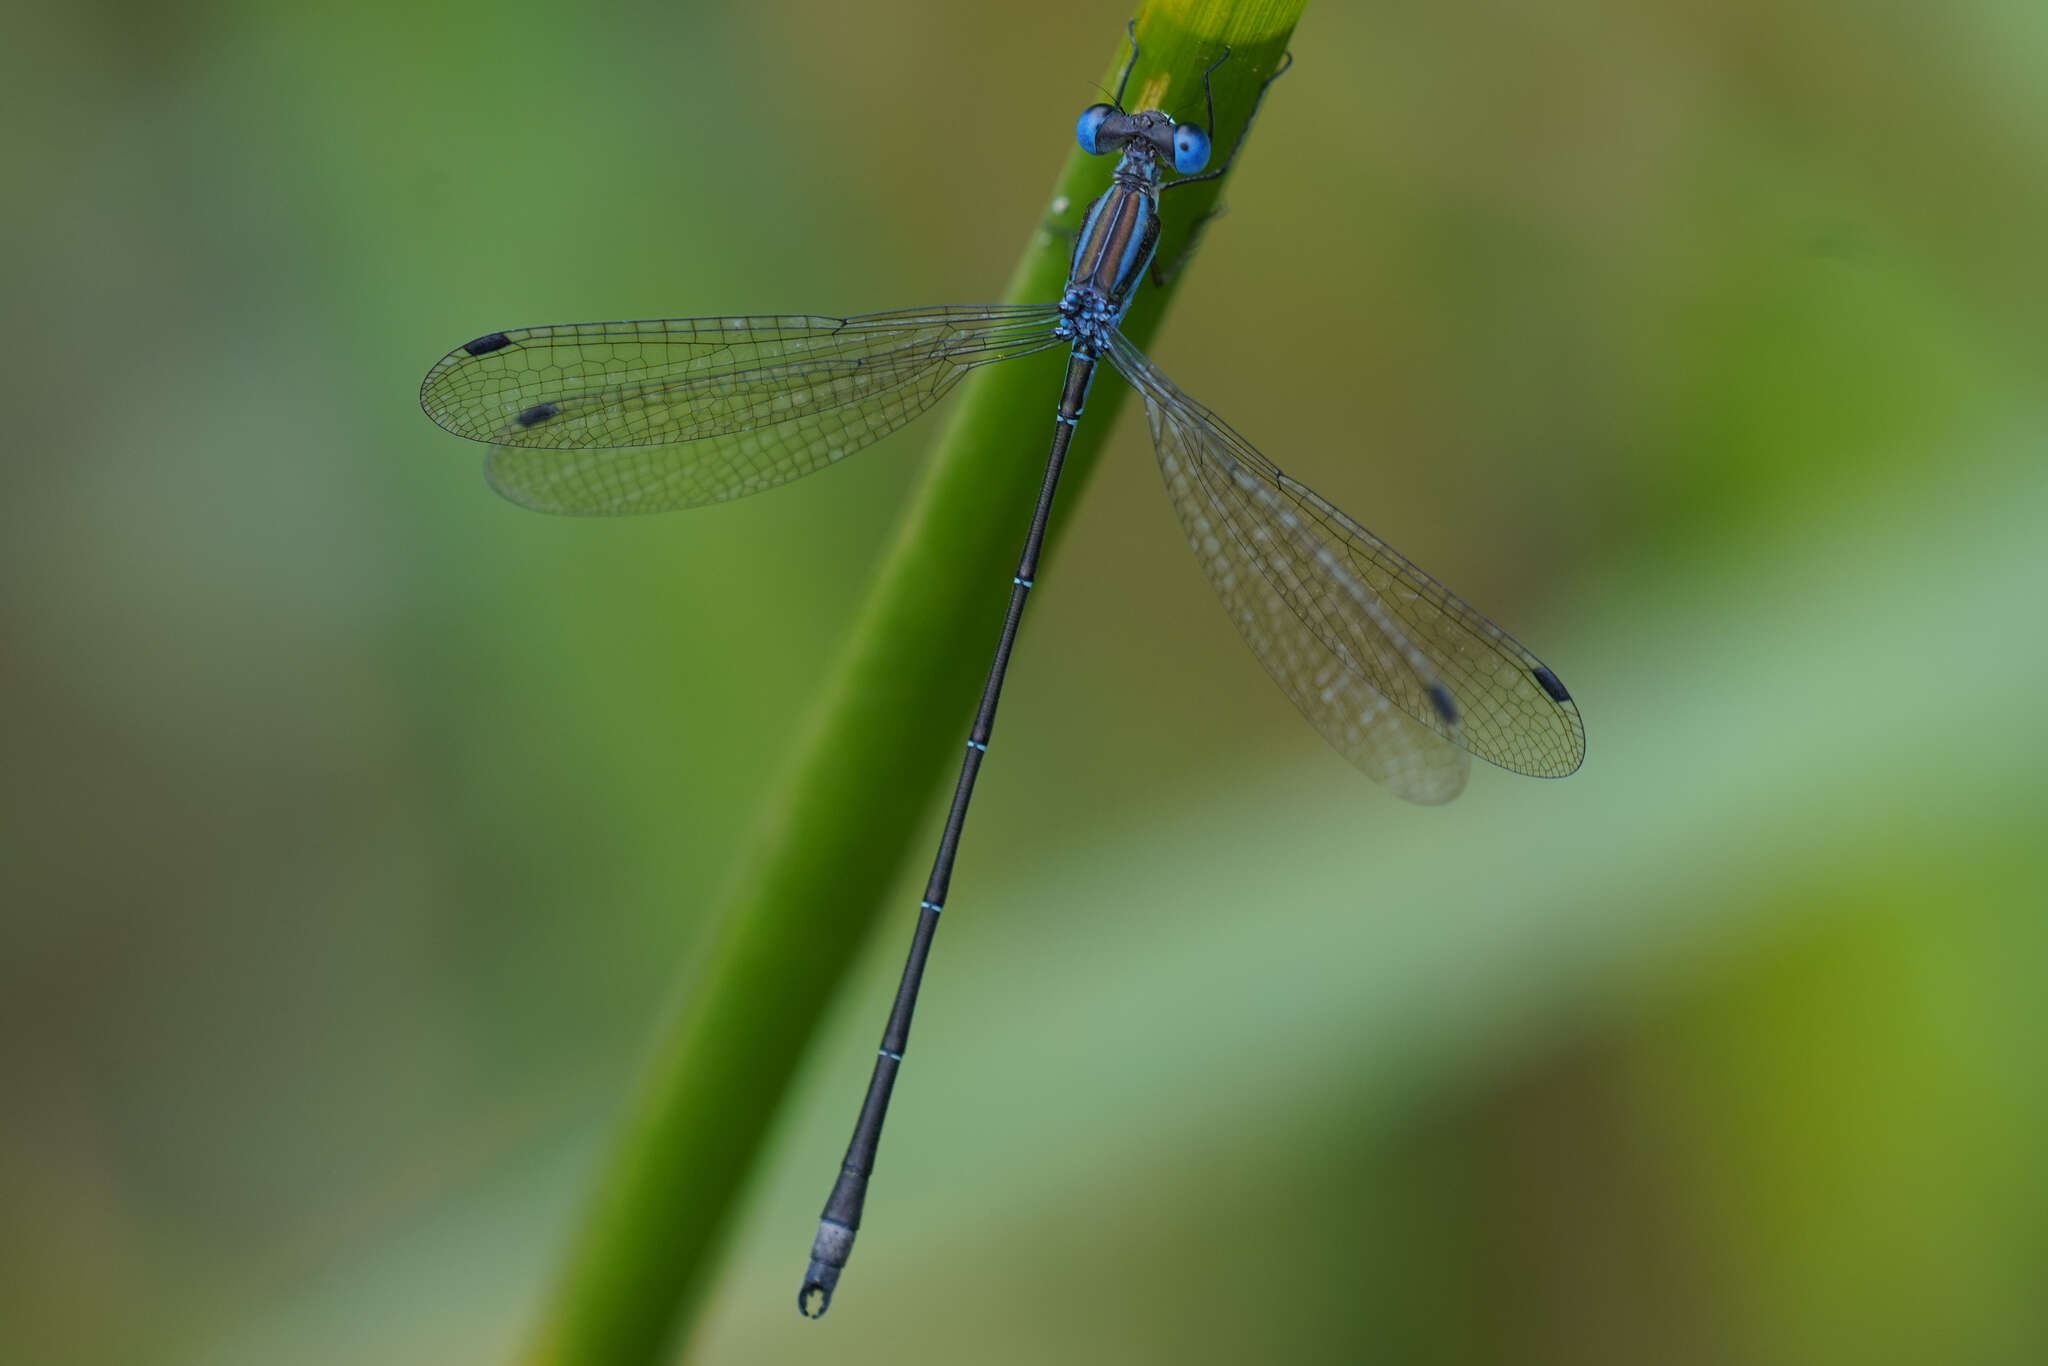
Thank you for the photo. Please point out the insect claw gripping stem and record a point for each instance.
(1163, 275)
(1286, 62)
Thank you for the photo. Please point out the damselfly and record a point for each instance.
(1398, 674)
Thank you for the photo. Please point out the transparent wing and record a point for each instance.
(1421, 666)
(646, 416)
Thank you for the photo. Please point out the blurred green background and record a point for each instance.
(356, 822)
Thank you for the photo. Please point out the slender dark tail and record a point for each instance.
(841, 1220)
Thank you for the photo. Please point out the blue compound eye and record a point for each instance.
(1190, 148)
(1089, 125)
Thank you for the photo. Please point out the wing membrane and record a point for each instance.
(1422, 670)
(669, 413)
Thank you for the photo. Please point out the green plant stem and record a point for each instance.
(887, 728)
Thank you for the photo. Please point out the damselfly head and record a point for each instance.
(1104, 128)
